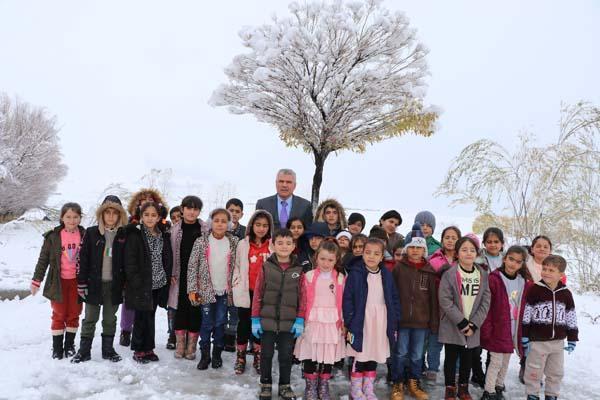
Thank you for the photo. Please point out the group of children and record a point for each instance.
(323, 294)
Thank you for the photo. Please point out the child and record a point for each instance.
(60, 251)
(322, 344)
(251, 253)
(278, 313)
(175, 215)
(446, 255)
(541, 247)
(315, 235)
(187, 319)
(356, 223)
(548, 319)
(371, 311)
(209, 284)
(501, 331)
(357, 245)
(236, 209)
(493, 243)
(148, 263)
(333, 214)
(398, 252)
(415, 280)
(390, 221)
(464, 299)
(378, 232)
(298, 229)
(343, 238)
(100, 277)
(426, 221)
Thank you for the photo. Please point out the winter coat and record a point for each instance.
(437, 260)
(50, 255)
(452, 310)
(176, 236)
(355, 301)
(320, 215)
(418, 295)
(199, 280)
(138, 270)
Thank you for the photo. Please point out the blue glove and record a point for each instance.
(298, 327)
(570, 347)
(526, 345)
(257, 329)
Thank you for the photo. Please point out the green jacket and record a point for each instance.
(432, 245)
(50, 255)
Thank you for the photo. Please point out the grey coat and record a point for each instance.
(300, 208)
(451, 308)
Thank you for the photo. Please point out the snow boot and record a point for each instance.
(533, 397)
(499, 392)
(57, 347)
(108, 351)
(229, 343)
(240, 359)
(415, 390)
(450, 393)
(266, 391)
(171, 342)
(192, 341)
(286, 392)
(397, 391)
(204, 358)
(488, 396)
(356, 390)
(310, 390)
(368, 383)
(522, 373)
(463, 392)
(140, 357)
(84, 352)
(125, 339)
(151, 356)
(217, 361)
(550, 398)
(256, 357)
(69, 345)
(180, 337)
(323, 387)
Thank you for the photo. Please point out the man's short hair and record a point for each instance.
(282, 233)
(286, 171)
(556, 261)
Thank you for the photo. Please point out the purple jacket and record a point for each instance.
(496, 334)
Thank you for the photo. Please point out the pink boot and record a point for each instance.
(310, 391)
(368, 385)
(356, 386)
(323, 388)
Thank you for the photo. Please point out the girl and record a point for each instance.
(357, 245)
(464, 298)
(541, 247)
(60, 251)
(251, 253)
(322, 344)
(148, 263)
(356, 223)
(343, 238)
(333, 214)
(315, 235)
(210, 271)
(297, 227)
(501, 331)
(389, 222)
(491, 254)
(371, 310)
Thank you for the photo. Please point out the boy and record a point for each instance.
(277, 313)
(100, 277)
(317, 232)
(356, 223)
(549, 317)
(175, 215)
(389, 222)
(236, 209)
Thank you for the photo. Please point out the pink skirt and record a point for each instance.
(322, 340)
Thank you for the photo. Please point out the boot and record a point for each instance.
(415, 390)
(190, 350)
(499, 392)
(266, 390)
(463, 392)
(69, 344)
(151, 356)
(140, 357)
(125, 339)
(83, 354)
(478, 379)
(356, 390)
(550, 397)
(533, 397)
(368, 385)
(240, 360)
(204, 358)
(323, 387)
(57, 347)
(310, 390)
(522, 373)
(286, 392)
(450, 393)
(108, 351)
(488, 396)
(172, 342)
(217, 361)
(256, 359)
(180, 337)
(397, 391)
(229, 343)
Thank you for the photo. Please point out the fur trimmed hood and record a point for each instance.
(144, 192)
(319, 215)
(122, 221)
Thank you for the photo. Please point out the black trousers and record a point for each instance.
(285, 348)
(142, 336)
(364, 366)
(313, 367)
(187, 316)
(455, 352)
(244, 327)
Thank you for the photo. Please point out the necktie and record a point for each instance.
(283, 216)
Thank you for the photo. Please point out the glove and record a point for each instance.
(257, 329)
(526, 345)
(34, 287)
(570, 347)
(82, 290)
(298, 327)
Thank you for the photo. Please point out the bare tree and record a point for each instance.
(30, 158)
(159, 179)
(332, 77)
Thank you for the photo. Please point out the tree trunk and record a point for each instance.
(317, 179)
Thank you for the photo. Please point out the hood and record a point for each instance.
(319, 217)
(261, 213)
(122, 221)
(135, 199)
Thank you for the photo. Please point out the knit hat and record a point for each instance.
(317, 229)
(357, 217)
(345, 234)
(392, 214)
(112, 199)
(475, 239)
(426, 217)
(417, 239)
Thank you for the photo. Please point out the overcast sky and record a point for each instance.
(129, 83)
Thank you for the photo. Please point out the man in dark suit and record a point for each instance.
(284, 205)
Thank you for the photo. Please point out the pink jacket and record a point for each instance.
(310, 283)
(438, 259)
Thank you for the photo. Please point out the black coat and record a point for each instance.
(300, 208)
(138, 270)
(89, 269)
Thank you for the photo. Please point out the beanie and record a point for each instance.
(475, 239)
(416, 239)
(426, 217)
(345, 234)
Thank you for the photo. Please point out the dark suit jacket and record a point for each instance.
(300, 208)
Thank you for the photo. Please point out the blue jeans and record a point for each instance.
(214, 317)
(434, 349)
(409, 353)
